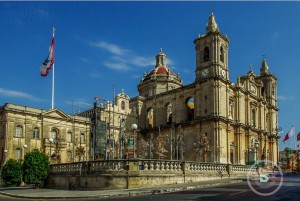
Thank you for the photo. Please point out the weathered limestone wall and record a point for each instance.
(125, 174)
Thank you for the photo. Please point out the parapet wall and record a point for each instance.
(126, 174)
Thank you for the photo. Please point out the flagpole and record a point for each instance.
(52, 105)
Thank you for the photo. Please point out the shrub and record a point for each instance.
(12, 172)
(35, 167)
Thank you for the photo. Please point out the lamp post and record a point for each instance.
(25, 147)
(122, 119)
(134, 127)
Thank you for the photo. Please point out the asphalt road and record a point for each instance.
(289, 190)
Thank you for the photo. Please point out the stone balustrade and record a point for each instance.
(207, 167)
(161, 165)
(130, 173)
(147, 165)
(88, 166)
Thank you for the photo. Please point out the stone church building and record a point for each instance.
(211, 119)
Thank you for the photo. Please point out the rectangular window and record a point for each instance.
(18, 153)
(69, 137)
(81, 138)
(36, 133)
(19, 131)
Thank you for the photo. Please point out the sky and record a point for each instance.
(102, 44)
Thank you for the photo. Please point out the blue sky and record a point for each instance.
(99, 44)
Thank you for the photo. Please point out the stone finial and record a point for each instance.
(212, 26)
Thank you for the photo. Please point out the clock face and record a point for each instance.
(204, 72)
(223, 73)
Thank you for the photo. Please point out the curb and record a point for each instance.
(129, 193)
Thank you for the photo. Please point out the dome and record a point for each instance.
(161, 70)
(160, 79)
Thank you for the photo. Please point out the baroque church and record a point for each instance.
(211, 119)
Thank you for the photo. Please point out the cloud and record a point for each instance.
(124, 59)
(112, 48)
(17, 94)
(283, 98)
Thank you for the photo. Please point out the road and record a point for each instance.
(289, 190)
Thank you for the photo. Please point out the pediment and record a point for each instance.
(56, 113)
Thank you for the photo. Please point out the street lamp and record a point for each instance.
(122, 118)
(25, 147)
(134, 127)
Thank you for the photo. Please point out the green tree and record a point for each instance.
(12, 172)
(35, 167)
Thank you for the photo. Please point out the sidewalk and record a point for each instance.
(62, 194)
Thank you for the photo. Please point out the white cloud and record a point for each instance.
(116, 65)
(112, 48)
(283, 98)
(124, 59)
(17, 94)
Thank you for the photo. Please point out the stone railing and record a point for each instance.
(207, 167)
(88, 167)
(161, 165)
(243, 168)
(174, 166)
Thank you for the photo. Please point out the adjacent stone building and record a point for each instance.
(111, 133)
(211, 119)
(65, 138)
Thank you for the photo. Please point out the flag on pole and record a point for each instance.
(289, 134)
(298, 137)
(49, 61)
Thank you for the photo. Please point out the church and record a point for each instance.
(211, 119)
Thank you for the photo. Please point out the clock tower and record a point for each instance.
(211, 53)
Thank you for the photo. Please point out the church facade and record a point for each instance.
(211, 119)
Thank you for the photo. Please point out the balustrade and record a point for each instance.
(145, 165)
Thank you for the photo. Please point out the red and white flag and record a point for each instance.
(49, 61)
(289, 134)
(298, 137)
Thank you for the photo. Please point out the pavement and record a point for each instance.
(42, 193)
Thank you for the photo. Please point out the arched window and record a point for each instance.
(190, 104)
(222, 54)
(36, 133)
(19, 131)
(53, 133)
(273, 89)
(150, 118)
(262, 91)
(123, 105)
(169, 113)
(253, 117)
(206, 54)
(231, 109)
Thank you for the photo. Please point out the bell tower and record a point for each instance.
(211, 53)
